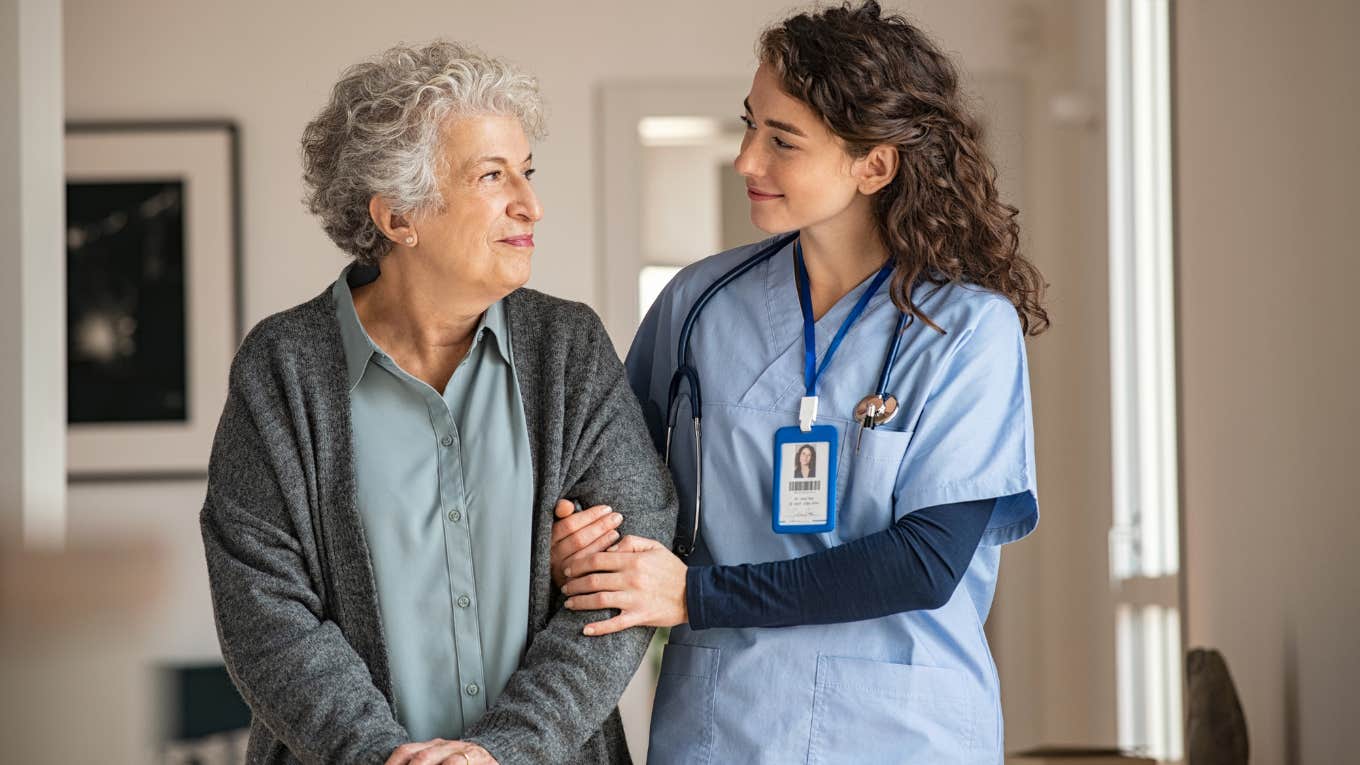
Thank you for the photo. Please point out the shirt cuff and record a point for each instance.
(694, 596)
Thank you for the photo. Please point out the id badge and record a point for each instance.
(805, 479)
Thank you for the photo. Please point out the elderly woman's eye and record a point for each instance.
(494, 175)
(529, 174)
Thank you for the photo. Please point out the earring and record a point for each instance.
(410, 241)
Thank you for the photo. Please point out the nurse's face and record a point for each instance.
(483, 236)
(798, 173)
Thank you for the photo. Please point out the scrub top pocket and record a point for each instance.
(685, 697)
(876, 712)
(870, 479)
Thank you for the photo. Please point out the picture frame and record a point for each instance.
(153, 294)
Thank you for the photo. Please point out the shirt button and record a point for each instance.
(447, 440)
(455, 516)
(464, 601)
(472, 689)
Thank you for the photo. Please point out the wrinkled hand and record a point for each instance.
(576, 535)
(440, 752)
(640, 577)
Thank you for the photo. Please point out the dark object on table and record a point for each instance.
(207, 720)
(1216, 732)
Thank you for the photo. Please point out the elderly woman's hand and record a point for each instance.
(440, 751)
(576, 535)
(638, 576)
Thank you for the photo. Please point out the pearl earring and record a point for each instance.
(410, 241)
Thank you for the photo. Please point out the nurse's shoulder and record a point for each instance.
(971, 316)
(691, 281)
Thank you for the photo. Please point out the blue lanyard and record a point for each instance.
(811, 371)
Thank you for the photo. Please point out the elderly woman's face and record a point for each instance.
(486, 228)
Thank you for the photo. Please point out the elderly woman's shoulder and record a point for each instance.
(553, 315)
(297, 335)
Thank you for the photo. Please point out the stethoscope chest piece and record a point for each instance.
(876, 410)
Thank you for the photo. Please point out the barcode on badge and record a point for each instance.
(805, 485)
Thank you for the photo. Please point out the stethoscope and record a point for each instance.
(873, 410)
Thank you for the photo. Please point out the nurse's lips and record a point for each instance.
(757, 195)
(527, 240)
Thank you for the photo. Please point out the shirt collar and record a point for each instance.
(360, 348)
(494, 322)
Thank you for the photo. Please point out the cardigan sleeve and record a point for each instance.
(294, 668)
(568, 683)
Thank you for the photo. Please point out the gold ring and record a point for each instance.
(466, 758)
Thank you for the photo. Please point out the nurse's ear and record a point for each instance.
(876, 169)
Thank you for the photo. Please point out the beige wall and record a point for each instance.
(1266, 128)
(270, 65)
(1054, 616)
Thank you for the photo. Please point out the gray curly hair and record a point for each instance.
(380, 134)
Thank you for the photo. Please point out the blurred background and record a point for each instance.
(1182, 169)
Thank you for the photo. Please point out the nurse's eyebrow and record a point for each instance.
(776, 124)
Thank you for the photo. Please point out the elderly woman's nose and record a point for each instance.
(526, 206)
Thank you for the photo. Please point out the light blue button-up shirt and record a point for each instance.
(445, 495)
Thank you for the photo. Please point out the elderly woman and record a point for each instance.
(382, 486)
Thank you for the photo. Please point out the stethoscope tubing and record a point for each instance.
(686, 373)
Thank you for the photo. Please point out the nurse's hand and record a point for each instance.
(576, 535)
(640, 577)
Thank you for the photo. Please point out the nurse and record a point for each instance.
(836, 618)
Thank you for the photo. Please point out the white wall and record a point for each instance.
(1266, 126)
(269, 65)
(32, 323)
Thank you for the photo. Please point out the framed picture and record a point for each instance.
(153, 297)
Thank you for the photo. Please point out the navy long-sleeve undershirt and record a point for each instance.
(915, 564)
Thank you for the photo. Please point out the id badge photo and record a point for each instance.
(805, 480)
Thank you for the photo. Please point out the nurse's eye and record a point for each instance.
(780, 144)
(747, 122)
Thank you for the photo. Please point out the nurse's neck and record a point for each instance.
(840, 253)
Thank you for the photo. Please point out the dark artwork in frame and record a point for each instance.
(126, 331)
(153, 255)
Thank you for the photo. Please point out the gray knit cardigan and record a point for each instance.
(292, 585)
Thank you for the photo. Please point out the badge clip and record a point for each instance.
(807, 413)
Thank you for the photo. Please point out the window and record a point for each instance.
(1144, 538)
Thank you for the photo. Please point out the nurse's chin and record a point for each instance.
(772, 224)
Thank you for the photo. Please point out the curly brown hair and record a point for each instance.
(876, 80)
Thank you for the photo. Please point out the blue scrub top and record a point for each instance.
(912, 687)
